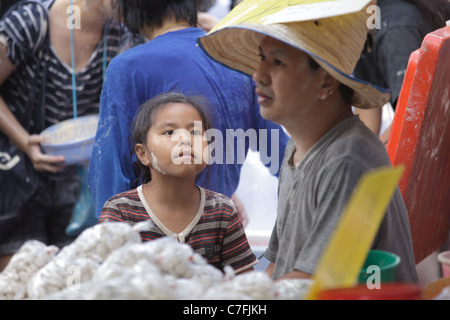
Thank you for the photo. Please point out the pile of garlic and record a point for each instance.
(78, 262)
(31, 257)
(110, 261)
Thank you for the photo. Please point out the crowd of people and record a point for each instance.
(169, 95)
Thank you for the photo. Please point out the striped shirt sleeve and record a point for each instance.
(124, 207)
(24, 30)
(111, 212)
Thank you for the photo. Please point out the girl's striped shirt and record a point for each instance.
(216, 231)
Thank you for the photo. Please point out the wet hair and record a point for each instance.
(137, 14)
(346, 92)
(145, 118)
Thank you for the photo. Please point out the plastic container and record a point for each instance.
(388, 291)
(444, 259)
(72, 139)
(386, 261)
(434, 289)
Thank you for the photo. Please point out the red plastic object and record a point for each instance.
(404, 133)
(391, 291)
(420, 140)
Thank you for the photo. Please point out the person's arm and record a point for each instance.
(272, 250)
(269, 269)
(29, 144)
(8, 122)
(10, 126)
(291, 275)
(295, 275)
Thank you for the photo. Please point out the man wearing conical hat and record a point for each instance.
(301, 55)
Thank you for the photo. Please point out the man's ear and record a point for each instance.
(142, 154)
(329, 85)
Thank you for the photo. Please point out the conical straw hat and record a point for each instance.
(333, 33)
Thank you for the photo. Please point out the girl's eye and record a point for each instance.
(196, 132)
(168, 132)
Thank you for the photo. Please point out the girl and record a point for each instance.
(167, 140)
(172, 60)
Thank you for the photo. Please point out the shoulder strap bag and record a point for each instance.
(18, 179)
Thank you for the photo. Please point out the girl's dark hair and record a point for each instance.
(145, 118)
(346, 92)
(137, 14)
(437, 12)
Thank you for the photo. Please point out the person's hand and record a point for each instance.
(42, 162)
(240, 210)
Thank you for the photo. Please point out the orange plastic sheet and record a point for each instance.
(420, 140)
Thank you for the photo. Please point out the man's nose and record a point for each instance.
(260, 75)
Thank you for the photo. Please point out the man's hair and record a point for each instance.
(137, 14)
(437, 12)
(346, 92)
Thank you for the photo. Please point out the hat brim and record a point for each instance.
(237, 47)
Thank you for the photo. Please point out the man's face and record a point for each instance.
(286, 85)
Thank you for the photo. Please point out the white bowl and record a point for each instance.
(71, 138)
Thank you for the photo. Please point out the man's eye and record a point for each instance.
(168, 132)
(262, 57)
(277, 62)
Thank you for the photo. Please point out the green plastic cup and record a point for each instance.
(387, 263)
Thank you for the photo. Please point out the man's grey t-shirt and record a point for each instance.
(313, 194)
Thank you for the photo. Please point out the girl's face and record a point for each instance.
(175, 145)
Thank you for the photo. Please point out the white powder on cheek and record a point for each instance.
(155, 164)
